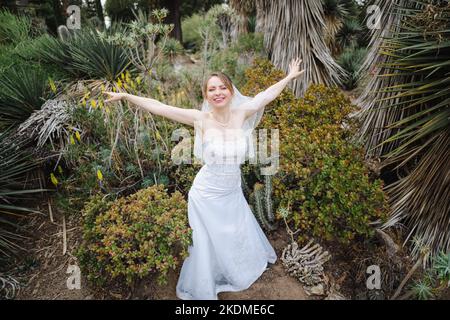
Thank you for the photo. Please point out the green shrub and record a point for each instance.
(132, 237)
(190, 28)
(322, 178)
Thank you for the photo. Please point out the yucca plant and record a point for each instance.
(348, 33)
(22, 90)
(351, 60)
(15, 163)
(303, 36)
(243, 8)
(335, 14)
(86, 55)
(406, 112)
(13, 29)
(97, 58)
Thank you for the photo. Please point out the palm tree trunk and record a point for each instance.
(174, 17)
(296, 29)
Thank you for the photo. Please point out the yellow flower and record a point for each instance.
(60, 170)
(119, 83)
(99, 175)
(53, 178)
(158, 136)
(138, 80)
(100, 104)
(77, 135)
(72, 140)
(102, 88)
(122, 76)
(52, 85)
(93, 104)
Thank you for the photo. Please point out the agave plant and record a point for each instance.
(406, 112)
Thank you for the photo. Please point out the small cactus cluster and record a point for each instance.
(306, 264)
(260, 199)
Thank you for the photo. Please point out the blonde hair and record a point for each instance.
(222, 76)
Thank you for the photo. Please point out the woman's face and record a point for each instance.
(217, 94)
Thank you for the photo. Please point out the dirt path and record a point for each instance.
(274, 283)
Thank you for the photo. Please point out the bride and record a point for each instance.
(229, 250)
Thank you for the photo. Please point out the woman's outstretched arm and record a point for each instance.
(265, 97)
(186, 116)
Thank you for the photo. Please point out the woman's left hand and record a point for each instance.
(294, 68)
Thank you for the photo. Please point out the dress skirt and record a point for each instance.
(230, 250)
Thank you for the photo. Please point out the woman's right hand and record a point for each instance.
(114, 96)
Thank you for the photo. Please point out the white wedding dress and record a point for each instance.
(230, 250)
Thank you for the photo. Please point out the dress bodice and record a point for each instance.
(219, 151)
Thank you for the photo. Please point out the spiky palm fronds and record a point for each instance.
(420, 199)
(243, 9)
(334, 14)
(297, 29)
(85, 55)
(13, 29)
(348, 34)
(406, 112)
(373, 116)
(15, 163)
(50, 123)
(351, 60)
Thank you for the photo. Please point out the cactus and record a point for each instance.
(261, 203)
